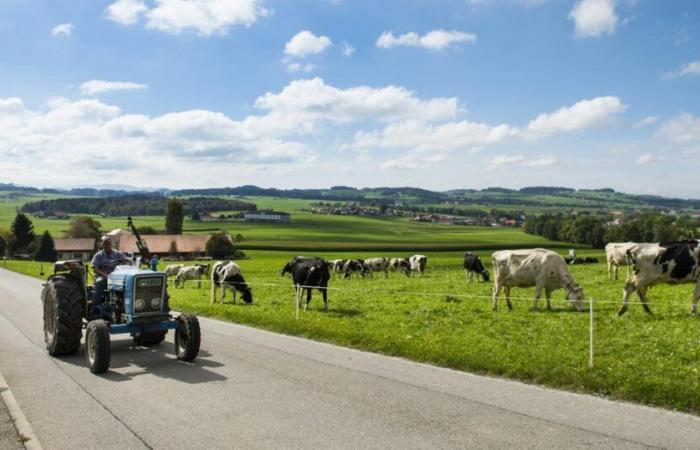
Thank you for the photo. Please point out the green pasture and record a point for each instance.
(441, 319)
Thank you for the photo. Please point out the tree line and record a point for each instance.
(596, 231)
(135, 205)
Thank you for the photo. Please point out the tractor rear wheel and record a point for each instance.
(187, 337)
(64, 304)
(151, 338)
(97, 346)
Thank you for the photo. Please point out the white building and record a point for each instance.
(267, 216)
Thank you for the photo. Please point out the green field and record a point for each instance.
(440, 319)
(317, 232)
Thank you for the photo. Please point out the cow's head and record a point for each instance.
(286, 269)
(576, 297)
(485, 275)
(247, 296)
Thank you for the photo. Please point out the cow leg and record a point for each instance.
(627, 291)
(642, 294)
(538, 294)
(213, 292)
(233, 291)
(696, 296)
(506, 291)
(496, 290)
(223, 292)
(548, 296)
(610, 270)
(324, 292)
(309, 292)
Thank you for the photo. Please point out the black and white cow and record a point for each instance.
(472, 265)
(418, 264)
(309, 274)
(372, 265)
(227, 276)
(665, 263)
(336, 266)
(354, 267)
(401, 264)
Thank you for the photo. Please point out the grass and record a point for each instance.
(316, 232)
(440, 319)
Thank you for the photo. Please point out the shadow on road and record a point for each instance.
(129, 361)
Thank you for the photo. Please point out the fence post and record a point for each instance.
(590, 332)
(298, 299)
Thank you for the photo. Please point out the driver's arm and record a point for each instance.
(99, 271)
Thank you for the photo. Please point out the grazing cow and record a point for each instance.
(472, 265)
(372, 265)
(418, 263)
(665, 263)
(584, 260)
(616, 255)
(336, 266)
(543, 269)
(401, 264)
(173, 269)
(309, 274)
(227, 276)
(354, 266)
(191, 273)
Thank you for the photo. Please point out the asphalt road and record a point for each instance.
(255, 389)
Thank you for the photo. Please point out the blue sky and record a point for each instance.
(313, 93)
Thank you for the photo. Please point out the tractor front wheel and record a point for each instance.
(187, 337)
(150, 339)
(97, 346)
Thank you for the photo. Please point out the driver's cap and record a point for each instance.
(106, 240)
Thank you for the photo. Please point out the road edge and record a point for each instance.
(26, 433)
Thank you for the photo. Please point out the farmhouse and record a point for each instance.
(176, 245)
(81, 249)
(267, 216)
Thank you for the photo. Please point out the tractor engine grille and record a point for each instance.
(150, 291)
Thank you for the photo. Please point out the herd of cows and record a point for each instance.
(545, 270)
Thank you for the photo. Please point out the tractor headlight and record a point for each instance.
(139, 304)
(155, 303)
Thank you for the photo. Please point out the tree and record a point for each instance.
(3, 246)
(220, 246)
(174, 216)
(84, 227)
(146, 230)
(23, 232)
(46, 251)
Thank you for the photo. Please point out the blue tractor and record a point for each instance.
(135, 302)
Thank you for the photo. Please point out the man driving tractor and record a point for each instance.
(103, 263)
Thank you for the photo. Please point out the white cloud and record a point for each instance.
(413, 161)
(648, 158)
(306, 43)
(348, 50)
(593, 18)
(204, 17)
(689, 69)
(433, 40)
(505, 161)
(63, 29)
(126, 12)
(681, 130)
(93, 87)
(649, 120)
(294, 67)
(583, 114)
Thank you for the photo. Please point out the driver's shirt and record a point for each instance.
(102, 260)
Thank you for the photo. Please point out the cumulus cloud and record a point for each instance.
(93, 87)
(594, 18)
(125, 12)
(348, 49)
(204, 17)
(63, 29)
(583, 114)
(648, 158)
(306, 43)
(505, 161)
(645, 122)
(413, 161)
(689, 69)
(682, 130)
(433, 40)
